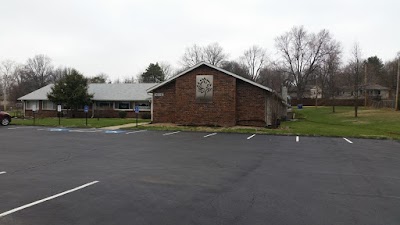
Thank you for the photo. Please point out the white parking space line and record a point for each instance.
(83, 131)
(297, 138)
(3, 172)
(250, 137)
(138, 131)
(171, 133)
(348, 140)
(12, 128)
(209, 135)
(46, 199)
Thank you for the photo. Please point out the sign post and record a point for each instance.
(86, 109)
(137, 114)
(59, 114)
(34, 112)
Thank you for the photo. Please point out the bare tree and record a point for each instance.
(236, 68)
(99, 78)
(192, 56)
(38, 70)
(302, 53)
(254, 59)
(129, 80)
(328, 71)
(214, 54)
(58, 74)
(167, 69)
(7, 70)
(356, 67)
(273, 77)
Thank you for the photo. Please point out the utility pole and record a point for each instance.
(398, 81)
(365, 84)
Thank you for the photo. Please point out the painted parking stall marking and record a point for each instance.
(171, 133)
(113, 131)
(84, 131)
(348, 140)
(297, 138)
(250, 137)
(209, 135)
(58, 130)
(2, 172)
(46, 199)
(138, 131)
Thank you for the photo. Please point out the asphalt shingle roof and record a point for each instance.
(103, 92)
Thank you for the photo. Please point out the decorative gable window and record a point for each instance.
(204, 88)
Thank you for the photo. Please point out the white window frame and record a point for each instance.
(116, 106)
(33, 101)
(142, 108)
(112, 105)
(53, 104)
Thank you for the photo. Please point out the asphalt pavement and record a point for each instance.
(92, 176)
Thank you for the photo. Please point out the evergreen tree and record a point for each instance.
(153, 74)
(71, 91)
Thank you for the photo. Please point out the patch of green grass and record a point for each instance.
(76, 122)
(321, 121)
(370, 123)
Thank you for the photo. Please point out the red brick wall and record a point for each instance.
(219, 112)
(164, 106)
(250, 106)
(179, 105)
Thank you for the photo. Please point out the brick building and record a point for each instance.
(208, 95)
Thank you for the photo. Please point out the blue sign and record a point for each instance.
(86, 108)
(136, 109)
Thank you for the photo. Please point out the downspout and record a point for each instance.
(23, 107)
(151, 107)
(93, 108)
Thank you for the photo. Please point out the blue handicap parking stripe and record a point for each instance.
(113, 131)
(58, 129)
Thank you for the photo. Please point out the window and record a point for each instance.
(32, 104)
(143, 105)
(104, 105)
(122, 105)
(48, 105)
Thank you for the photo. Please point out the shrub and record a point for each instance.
(122, 114)
(146, 116)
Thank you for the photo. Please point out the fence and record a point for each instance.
(344, 102)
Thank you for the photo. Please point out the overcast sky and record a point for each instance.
(121, 37)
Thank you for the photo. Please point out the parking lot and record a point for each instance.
(92, 176)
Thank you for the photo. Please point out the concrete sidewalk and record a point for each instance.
(128, 125)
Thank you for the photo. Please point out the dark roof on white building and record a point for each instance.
(102, 92)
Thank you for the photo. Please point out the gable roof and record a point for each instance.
(102, 92)
(216, 68)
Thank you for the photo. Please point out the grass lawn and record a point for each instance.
(77, 122)
(370, 123)
(311, 121)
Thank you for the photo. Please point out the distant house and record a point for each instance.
(310, 91)
(108, 100)
(374, 92)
